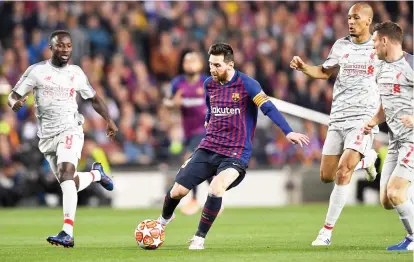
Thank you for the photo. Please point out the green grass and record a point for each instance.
(267, 234)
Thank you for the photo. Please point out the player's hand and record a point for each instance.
(407, 120)
(19, 103)
(298, 138)
(111, 129)
(368, 127)
(297, 63)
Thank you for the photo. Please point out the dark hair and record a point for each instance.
(222, 49)
(58, 32)
(389, 29)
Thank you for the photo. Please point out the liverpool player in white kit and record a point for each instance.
(395, 83)
(355, 101)
(55, 84)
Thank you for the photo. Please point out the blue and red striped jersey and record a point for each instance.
(232, 115)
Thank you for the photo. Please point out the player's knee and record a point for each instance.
(396, 196)
(386, 204)
(66, 173)
(343, 174)
(326, 177)
(217, 187)
(178, 191)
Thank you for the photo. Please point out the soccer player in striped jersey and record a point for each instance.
(233, 99)
(187, 93)
(395, 79)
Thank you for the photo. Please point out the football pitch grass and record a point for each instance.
(249, 234)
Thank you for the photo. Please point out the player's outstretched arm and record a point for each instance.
(377, 119)
(318, 72)
(263, 102)
(100, 107)
(16, 101)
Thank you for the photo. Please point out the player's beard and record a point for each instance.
(223, 77)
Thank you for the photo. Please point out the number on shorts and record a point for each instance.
(186, 162)
(68, 143)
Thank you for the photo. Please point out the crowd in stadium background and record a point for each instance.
(131, 50)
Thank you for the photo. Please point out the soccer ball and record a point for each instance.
(150, 234)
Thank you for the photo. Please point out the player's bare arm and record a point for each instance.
(377, 119)
(16, 101)
(408, 121)
(318, 72)
(100, 107)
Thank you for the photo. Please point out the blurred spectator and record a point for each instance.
(130, 51)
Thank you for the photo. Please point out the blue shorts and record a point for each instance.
(205, 164)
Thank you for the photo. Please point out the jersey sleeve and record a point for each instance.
(333, 57)
(174, 85)
(262, 101)
(84, 87)
(256, 93)
(26, 83)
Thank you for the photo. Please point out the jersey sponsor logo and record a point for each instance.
(358, 69)
(225, 111)
(235, 97)
(48, 78)
(57, 91)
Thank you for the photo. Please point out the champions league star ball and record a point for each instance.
(150, 234)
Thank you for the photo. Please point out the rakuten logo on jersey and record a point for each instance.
(224, 111)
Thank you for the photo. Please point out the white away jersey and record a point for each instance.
(355, 94)
(54, 90)
(395, 84)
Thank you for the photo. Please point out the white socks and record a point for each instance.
(86, 178)
(70, 201)
(337, 202)
(406, 213)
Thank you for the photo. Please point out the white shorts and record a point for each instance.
(337, 140)
(399, 162)
(65, 147)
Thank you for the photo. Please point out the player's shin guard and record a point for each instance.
(86, 178)
(406, 213)
(169, 206)
(70, 201)
(337, 202)
(209, 214)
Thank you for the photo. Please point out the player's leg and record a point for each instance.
(397, 192)
(192, 206)
(355, 146)
(390, 164)
(230, 173)
(67, 153)
(331, 153)
(97, 174)
(74, 143)
(193, 172)
(368, 160)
